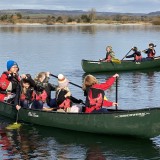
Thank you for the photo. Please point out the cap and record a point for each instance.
(10, 64)
(62, 81)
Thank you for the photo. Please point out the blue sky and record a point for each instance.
(123, 6)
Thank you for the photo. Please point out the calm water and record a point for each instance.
(59, 49)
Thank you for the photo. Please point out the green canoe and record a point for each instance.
(139, 123)
(90, 66)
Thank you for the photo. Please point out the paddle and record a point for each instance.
(126, 54)
(116, 92)
(69, 82)
(15, 125)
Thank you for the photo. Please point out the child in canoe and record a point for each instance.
(64, 97)
(95, 96)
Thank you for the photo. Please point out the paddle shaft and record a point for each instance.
(69, 82)
(17, 116)
(116, 92)
(126, 54)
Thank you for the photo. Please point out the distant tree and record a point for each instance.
(19, 15)
(70, 19)
(59, 19)
(79, 20)
(54, 18)
(4, 17)
(117, 17)
(13, 19)
(48, 19)
(85, 18)
(92, 15)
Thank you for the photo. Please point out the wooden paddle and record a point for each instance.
(69, 82)
(126, 54)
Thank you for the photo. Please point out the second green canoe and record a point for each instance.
(90, 66)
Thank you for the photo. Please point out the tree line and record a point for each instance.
(90, 17)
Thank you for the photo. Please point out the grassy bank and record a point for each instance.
(87, 18)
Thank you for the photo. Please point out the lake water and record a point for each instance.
(60, 49)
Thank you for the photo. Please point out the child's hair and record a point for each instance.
(40, 75)
(89, 80)
(110, 47)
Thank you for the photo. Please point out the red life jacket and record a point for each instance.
(108, 58)
(62, 102)
(5, 80)
(138, 58)
(95, 98)
(41, 96)
(23, 96)
(151, 54)
(65, 104)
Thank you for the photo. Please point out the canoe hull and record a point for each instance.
(90, 66)
(140, 123)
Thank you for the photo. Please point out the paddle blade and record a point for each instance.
(116, 61)
(14, 126)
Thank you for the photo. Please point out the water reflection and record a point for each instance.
(91, 29)
(60, 49)
(35, 142)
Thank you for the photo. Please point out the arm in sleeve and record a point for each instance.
(75, 100)
(107, 103)
(52, 87)
(18, 94)
(130, 56)
(4, 82)
(109, 82)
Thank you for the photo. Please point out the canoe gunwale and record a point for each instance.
(110, 111)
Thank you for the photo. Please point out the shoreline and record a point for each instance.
(75, 24)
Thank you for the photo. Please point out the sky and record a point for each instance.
(122, 6)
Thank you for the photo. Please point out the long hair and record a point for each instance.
(89, 80)
(40, 75)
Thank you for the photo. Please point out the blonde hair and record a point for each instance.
(40, 75)
(89, 80)
(110, 47)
